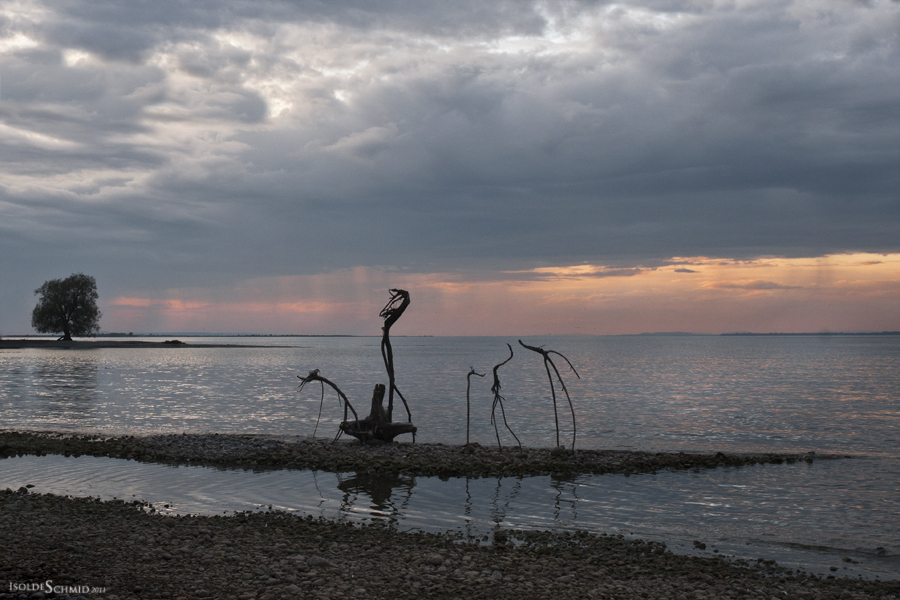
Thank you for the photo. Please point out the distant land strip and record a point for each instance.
(820, 333)
(20, 344)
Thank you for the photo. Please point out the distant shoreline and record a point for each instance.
(22, 344)
(823, 333)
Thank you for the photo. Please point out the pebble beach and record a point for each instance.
(69, 547)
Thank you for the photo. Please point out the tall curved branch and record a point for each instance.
(548, 362)
(392, 311)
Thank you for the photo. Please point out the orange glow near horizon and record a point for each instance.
(859, 292)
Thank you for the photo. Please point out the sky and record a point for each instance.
(522, 168)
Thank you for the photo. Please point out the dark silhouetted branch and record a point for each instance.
(498, 399)
(314, 376)
(468, 410)
(548, 362)
(392, 311)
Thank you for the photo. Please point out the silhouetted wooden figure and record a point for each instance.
(379, 424)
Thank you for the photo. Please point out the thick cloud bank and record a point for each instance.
(169, 143)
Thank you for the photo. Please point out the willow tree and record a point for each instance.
(67, 306)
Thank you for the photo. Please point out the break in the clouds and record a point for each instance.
(167, 145)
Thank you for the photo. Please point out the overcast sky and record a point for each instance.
(520, 167)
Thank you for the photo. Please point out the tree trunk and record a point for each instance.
(377, 425)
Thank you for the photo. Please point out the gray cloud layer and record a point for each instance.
(170, 143)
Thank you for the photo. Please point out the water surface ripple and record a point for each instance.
(837, 394)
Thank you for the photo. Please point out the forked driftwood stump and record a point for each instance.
(377, 426)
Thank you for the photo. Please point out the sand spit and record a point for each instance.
(263, 452)
(87, 548)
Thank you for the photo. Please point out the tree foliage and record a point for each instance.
(67, 306)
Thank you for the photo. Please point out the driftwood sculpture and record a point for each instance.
(498, 399)
(548, 362)
(392, 311)
(378, 425)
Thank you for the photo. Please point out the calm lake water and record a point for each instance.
(835, 394)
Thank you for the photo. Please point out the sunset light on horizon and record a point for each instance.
(697, 295)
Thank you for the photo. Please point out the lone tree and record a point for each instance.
(67, 306)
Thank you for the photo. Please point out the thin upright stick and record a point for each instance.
(468, 410)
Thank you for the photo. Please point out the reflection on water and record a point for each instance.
(745, 394)
(765, 394)
(388, 495)
(60, 388)
(67, 388)
(784, 512)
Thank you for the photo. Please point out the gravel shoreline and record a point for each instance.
(265, 452)
(87, 548)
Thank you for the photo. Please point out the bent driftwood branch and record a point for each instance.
(498, 399)
(374, 427)
(548, 362)
(342, 397)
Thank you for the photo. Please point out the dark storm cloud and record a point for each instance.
(170, 143)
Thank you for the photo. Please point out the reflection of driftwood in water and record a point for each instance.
(379, 487)
(558, 484)
(498, 511)
(498, 399)
(548, 362)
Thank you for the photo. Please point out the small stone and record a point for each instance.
(318, 561)
(435, 559)
(203, 594)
